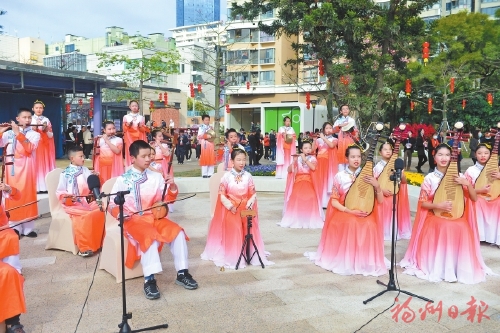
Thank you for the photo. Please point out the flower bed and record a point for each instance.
(414, 178)
(261, 170)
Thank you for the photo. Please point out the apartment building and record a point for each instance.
(25, 50)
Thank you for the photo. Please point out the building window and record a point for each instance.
(238, 57)
(310, 75)
(490, 11)
(267, 15)
(69, 48)
(239, 36)
(384, 5)
(182, 68)
(265, 37)
(57, 48)
(267, 56)
(266, 78)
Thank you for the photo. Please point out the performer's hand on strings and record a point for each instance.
(387, 193)
(462, 181)
(495, 175)
(357, 212)
(371, 180)
(445, 205)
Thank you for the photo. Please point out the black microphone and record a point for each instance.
(94, 185)
(399, 164)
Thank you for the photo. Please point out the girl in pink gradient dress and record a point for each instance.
(487, 211)
(403, 219)
(327, 166)
(351, 241)
(301, 208)
(284, 151)
(443, 249)
(162, 152)
(227, 228)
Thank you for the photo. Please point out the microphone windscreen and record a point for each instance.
(399, 164)
(93, 182)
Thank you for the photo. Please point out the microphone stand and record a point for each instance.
(124, 326)
(391, 285)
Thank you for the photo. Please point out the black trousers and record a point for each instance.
(198, 150)
(188, 152)
(87, 148)
(181, 153)
(421, 160)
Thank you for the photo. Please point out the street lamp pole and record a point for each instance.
(313, 104)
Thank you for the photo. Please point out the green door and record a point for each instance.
(274, 117)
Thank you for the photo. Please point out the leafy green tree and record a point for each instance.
(152, 65)
(356, 39)
(198, 106)
(464, 47)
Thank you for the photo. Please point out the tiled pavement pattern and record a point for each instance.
(293, 295)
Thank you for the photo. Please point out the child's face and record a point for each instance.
(24, 118)
(328, 130)
(206, 120)
(442, 157)
(287, 122)
(306, 148)
(110, 130)
(159, 136)
(354, 158)
(134, 107)
(142, 160)
(38, 109)
(153, 154)
(232, 137)
(77, 158)
(483, 155)
(386, 151)
(239, 162)
(345, 111)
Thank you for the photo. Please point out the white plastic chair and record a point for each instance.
(61, 235)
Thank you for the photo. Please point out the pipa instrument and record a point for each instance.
(384, 179)
(491, 166)
(448, 189)
(361, 195)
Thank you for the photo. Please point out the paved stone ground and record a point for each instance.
(293, 295)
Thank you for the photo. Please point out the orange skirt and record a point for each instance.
(9, 243)
(207, 157)
(11, 292)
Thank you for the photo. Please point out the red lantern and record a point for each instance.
(91, 114)
(68, 108)
(429, 106)
(80, 102)
(227, 108)
(489, 98)
(464, 102)
(308, 100)
(412, 105)
(452, 85)
(191, 88)
(199, 88)
(91, 103)
(408, 87)
(248, 85)
(425, 52)
(165, 98)
(321, 68)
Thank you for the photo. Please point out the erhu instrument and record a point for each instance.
(160, 208)
(384, 178)
(448, 189)
(361, 195)
(2, 175)
(491, 166)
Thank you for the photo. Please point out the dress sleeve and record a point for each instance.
(425, 190)
(336, 189)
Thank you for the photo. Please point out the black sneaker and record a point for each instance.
(32, 234)
(186, 280)
(151, 289)
(15, 329)
(86, 254)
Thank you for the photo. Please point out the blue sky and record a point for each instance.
(51, 20)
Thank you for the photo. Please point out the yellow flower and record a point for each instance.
(414, 178)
